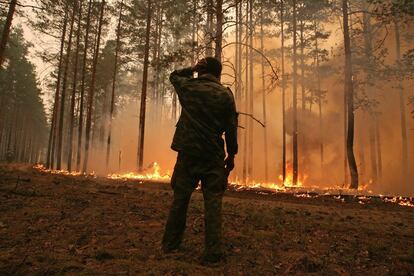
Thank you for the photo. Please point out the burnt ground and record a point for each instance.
(54, 224)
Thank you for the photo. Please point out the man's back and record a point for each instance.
(208, 110)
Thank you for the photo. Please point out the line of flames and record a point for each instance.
(153, 173)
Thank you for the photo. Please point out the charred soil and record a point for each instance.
(53, 224)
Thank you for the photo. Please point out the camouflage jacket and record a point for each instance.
(208, 111)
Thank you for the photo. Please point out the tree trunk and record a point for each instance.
(379, 152)
(402, 104)
(63, 96)
(318, 80)
(246, 100)
(239, 30)
(209, 29)
(193, 33)
(75, 80)
(265, 149)
(111, 112)
(159, 95)
(372, 148)
(219, 29)
(303, 94)
(368, 89)
(82, 90)
(349, 90)
(295, 92)
(6, 30)
(283, 91)
(52, 134)
(92, 91)
(251, 90)
(141, 134)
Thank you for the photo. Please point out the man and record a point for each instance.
(208, 111)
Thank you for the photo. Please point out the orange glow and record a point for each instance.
(151, 173)
(289, 177)
(42, 168)
(154, 173)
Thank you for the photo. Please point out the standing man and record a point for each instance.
(208, 111)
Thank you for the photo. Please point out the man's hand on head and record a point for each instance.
(200, 66)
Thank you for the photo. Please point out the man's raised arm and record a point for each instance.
(179, 77)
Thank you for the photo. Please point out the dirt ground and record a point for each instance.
(53, 224)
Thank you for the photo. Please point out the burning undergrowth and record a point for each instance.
(362, 196)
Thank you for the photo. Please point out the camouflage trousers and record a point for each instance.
(188, 171)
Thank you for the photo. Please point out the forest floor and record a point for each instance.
(55, 224)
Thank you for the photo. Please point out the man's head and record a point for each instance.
(209, 65)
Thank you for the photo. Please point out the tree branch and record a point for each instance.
(251, 116)
(257, 51)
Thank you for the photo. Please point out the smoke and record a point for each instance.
(329, 172)
(123, 158)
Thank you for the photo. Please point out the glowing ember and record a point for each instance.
(399, 200)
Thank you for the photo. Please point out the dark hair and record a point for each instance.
(213, 66)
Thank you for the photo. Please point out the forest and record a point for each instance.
(322, 87)
(323, 178)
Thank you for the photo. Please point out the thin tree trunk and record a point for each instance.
(295, 92)
(283, 91)
(6, 30)
(362, 147)
(52, 134)
(193, 33)
(266, 165)
(302, 65)
(111, 112)
(154, 98)
(157, 72)
(251, 90)
(303, 95)
(209, 31)
(141, 134)
(402, 105)
(63, 96)
(371, 128)
(239, 30)
(82, 89)
(372, 148)
(75, 80)
(379, 154)
(219, 29)
(318, 79)
(92, 91)
(349, 90)
(246, 99)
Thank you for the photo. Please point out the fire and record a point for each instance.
(42, 168)
(289, 177)
(153, 172)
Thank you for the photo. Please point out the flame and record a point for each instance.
(153, 172)
(42, 168)
(289, 177)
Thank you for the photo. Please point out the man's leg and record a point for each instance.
(183, 184)
(214, 182)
